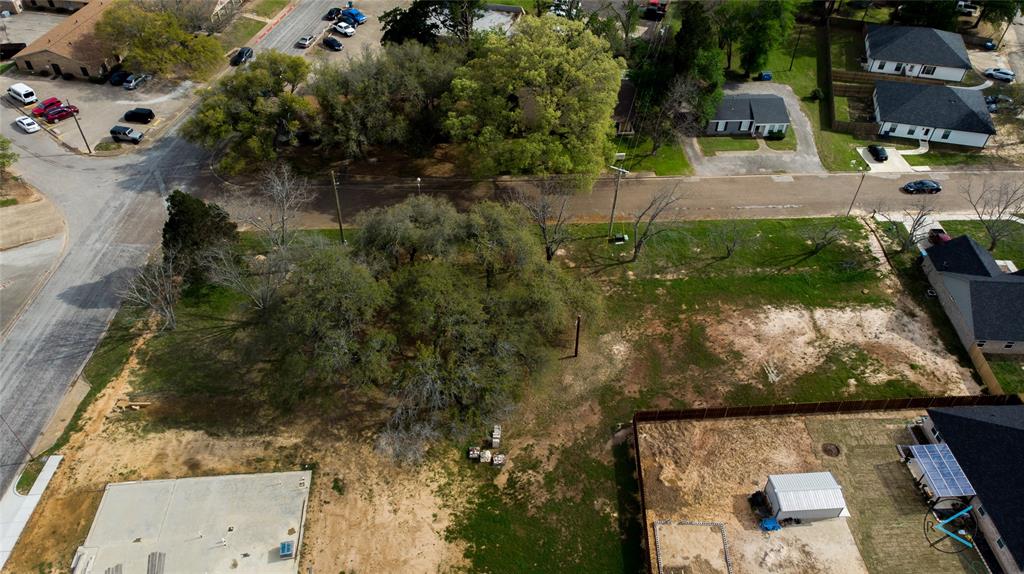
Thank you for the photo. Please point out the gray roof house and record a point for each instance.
(749, 114)
(917, 52)
(932, 113)
(984, 303)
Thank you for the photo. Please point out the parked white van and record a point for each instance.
(22, 93)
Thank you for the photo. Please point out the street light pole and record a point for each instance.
(337, 205)
(419, 190)
(80, 129)
(615, 199)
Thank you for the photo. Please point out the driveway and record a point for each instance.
(803, 160)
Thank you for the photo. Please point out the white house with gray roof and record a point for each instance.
(749, 114)
(932, 113)
(916, 52)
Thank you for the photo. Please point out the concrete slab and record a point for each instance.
(232, 523)
(15, 509)
(895, 163)
(28, 26)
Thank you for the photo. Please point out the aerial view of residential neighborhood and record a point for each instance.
(530, 286)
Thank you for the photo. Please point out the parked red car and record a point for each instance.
(45, 106)
(61, 113)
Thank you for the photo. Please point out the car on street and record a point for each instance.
(922, 186)
(348, 19)
(243, 55)
(62, 113)
(135, 80)
(45, 106)
(125, 134)
(989, 45)
(878, 152)
(27, 124)
(354, 13)
(139, 115)
(332, 43)
(332, 14)
(305, 42)
(344, 29)
(117, 78)
(938, 236)
(1000, 74)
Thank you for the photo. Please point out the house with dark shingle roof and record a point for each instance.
(932, 113)
(984, 302)
(916, 52)
(749, 114)
(988, 445)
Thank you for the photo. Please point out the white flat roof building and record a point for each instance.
(806, 496)
(227, 524)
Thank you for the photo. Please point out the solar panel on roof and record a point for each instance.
(942, 471)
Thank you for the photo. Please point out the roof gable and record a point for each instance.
(997, 309)
(761, 108)
(963, 255)
(933, 106)
(73, 38)
(988, 443)
(917, 45)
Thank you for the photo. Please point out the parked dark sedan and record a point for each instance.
(922, 186)
(332, 43)
(118, 78)
(242, 56)
(139, 115)
(878, 152)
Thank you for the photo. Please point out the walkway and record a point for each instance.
(16, 509)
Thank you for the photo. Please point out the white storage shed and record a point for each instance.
(805, 496)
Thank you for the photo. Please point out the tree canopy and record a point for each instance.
(538, 101)
(767, 23)
(155, 41)
(253, 112)
(192, 227)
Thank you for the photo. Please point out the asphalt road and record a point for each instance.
(305, 19)
(114, 211)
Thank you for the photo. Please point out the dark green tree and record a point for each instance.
(193, 226)
(768, 22)
(695, 34)
(415, 23)
(998, 11)
(939, 14)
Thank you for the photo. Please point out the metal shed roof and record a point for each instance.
(807, 491)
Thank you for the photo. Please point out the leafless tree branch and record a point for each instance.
(644, 228)
(995, 205)
(156, 288)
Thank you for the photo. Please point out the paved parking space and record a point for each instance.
(101, 106)
(307, 19)
(895, 164)
(29, 25)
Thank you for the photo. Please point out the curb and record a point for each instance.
(274, 22)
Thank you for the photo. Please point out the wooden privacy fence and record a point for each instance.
(984, 371)
(863, 130)
(855, 77)
(853, 90)
(846, 23)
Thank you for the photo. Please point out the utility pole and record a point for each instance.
(419, 190)
(615, 199)
(576, 348)
(337, 205)
(999, 44)
(799, 33)
(856, 193)
(80, 129)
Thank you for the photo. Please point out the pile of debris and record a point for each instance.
(488, 455)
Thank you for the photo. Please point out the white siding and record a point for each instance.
(916, 70)
(971, 139)
(988, 528)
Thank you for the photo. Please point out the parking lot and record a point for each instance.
(307, 19)
(100, 106)
(28, 26)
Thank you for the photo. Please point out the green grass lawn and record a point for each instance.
(670, 159)
(847, 49)
(711, 145)
(949, 155)
(842, 108)
(1009, 372)
(875, 14)
(239, 32)
(1011, 248)
(787, 143)
(269, 8)
(8, 201)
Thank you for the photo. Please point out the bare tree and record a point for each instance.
(547, 208)
(156, 288)
(282, 194)
(643, 226)
(628, 15)
(260, 278)
(995, 205)
(731, 235)
(908, 225)
(823, 235)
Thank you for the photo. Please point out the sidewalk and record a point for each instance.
(15, 509)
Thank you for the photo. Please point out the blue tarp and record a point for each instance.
(770, 524)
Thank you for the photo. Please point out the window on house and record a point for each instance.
(981, 343)
(981, 510)
(721, 127)
(1000, 543)
(927, 70)
(1008, 345)
(926, 131)
(935, 431)
(28, 65)
(899, 66)
(881, 66)
(910, 131)
(85, 71)
(946, 134)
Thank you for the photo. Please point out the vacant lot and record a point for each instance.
(704, 470)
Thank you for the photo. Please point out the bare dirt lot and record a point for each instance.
(390, 519)
(704, 471)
